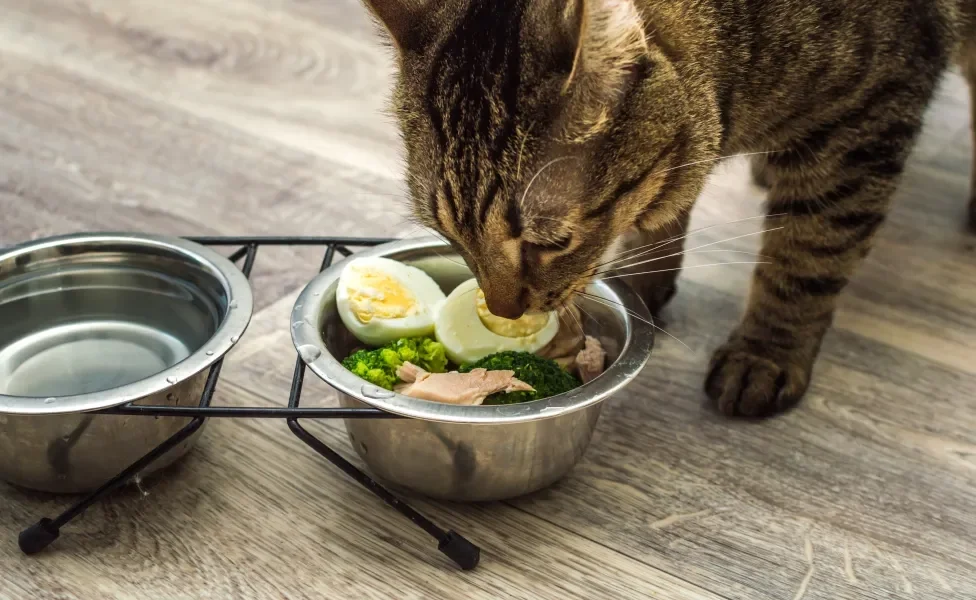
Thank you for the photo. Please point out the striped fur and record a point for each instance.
(540, 133)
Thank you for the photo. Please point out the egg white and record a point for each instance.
(466, 339)
(380, 331)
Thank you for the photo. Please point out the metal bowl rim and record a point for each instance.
(306, 315)
(234, 324)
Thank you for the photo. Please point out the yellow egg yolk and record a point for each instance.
(380, 296)
(521, 327)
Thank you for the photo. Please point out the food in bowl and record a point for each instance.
(470, 332)
(546, 376)
(451, 348)
(590, 359)
(469, 388)
(379, 366)
(381, 300)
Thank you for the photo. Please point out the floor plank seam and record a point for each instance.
(603, 545)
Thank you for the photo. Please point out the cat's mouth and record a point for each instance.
(569, 296)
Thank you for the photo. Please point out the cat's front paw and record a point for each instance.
(751, 380)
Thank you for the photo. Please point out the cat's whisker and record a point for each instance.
(536, 176)
(656, 258)
(440, 238)
(401, 196)
(437, 235)
(655, 245)
(632, 314)
(748, 262)
(471, 291)
(408, 220)
(416, 229)
(708, 160)
(460, 264)
(650, 248)
(428, 231)
(688, 252)
(552, 234)
(724, 251)
(578, 324)
(518, 162)
(544, 218)
(576, 303)
(584, 311)
(424, 229)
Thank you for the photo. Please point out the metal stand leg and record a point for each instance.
(465, 554)
(40, 535)
(454, 545)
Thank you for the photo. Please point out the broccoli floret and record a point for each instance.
(379, 366)
(545, 375)
(427, 353)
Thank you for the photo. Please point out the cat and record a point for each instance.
(541, 135)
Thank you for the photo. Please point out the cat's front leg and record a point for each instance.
(831, 203)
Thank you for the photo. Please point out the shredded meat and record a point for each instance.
(589, 360)
(409, 372)
(467, 389)
(568, 341)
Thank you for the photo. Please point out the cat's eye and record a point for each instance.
(560, 244)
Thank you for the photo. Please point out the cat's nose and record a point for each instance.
(505, 301)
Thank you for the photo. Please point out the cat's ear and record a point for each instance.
(610, 37)
(610, 42)
(552, 30)
(402, 19)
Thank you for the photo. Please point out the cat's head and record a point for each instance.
(537, 132)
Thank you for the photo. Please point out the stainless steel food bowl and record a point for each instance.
(93, 321)
(470, 453)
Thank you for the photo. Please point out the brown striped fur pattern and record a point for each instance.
(540, 134)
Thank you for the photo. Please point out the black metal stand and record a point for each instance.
(466, 555)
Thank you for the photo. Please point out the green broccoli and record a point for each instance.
(379, 366)
(545, 375)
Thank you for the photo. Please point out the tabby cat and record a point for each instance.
(542, 133)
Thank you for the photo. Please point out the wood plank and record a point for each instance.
(106, 160)
(320, 87)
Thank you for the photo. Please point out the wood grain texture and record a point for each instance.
(266, 117)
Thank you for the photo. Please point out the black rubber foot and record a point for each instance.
(460, 550)
(38, 536)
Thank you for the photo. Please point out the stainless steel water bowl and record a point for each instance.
(470, 453)
(93, 321)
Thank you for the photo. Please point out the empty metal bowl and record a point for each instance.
(470, 453)
(93, 321)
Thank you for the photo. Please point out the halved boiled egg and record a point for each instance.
(469, 332)
(381, 300)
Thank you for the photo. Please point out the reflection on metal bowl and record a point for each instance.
(92, 321)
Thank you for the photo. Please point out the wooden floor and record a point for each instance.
(266, 117)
